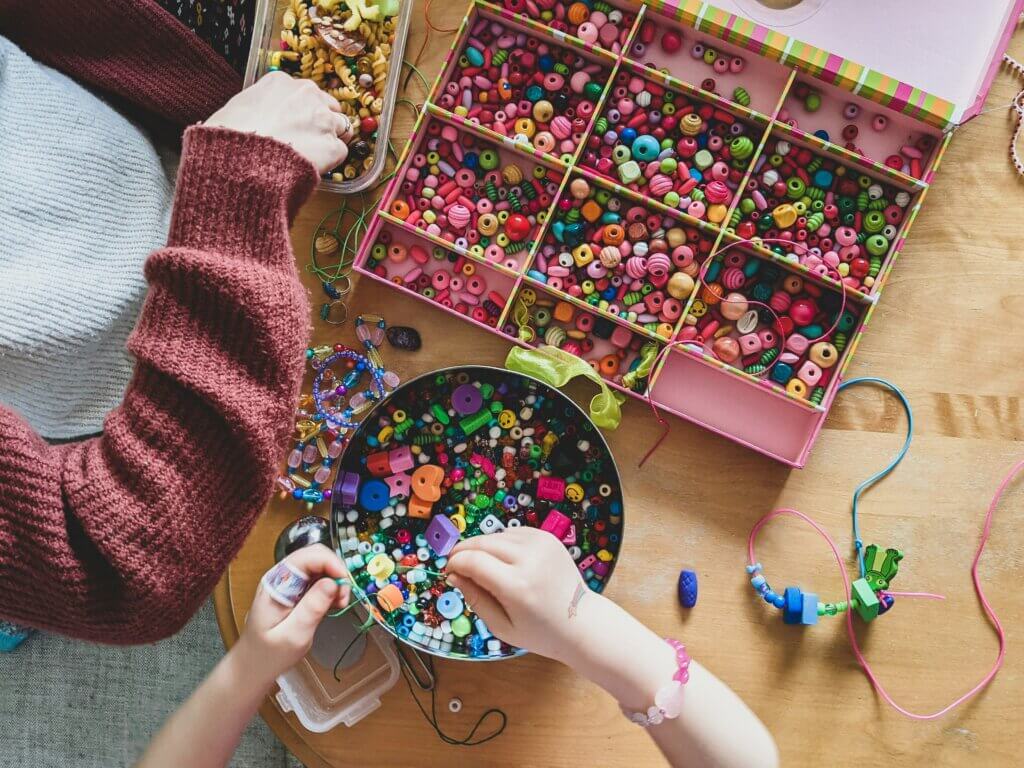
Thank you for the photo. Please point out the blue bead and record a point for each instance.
(793, 605)
(822, 134)
(374, 495)
(297, 494)
(687, 588)
(627, 136)
(779, 601)
(769, 596)
(809, 612)
(757, 582)
(782, 373)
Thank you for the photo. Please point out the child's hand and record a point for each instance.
(525, 586)
(275, 637)
(295, 112)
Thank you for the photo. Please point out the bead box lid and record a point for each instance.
(931, 59)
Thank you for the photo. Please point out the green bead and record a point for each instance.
(877, 245)
(813, 101)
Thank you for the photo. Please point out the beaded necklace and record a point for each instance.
(331, 411)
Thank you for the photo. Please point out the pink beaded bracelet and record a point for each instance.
(668, 701)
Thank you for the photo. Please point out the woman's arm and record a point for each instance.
(525, 586)
(205, 731)
(119, 539)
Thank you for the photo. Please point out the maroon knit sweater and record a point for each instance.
(120, 538)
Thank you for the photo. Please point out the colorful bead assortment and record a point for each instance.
(910, 152)
(328, 414)
(461, 188)
(523, 87)
(798, 347)
(453, 281)
(682, 152)
(461, 453)
(842, 221)
(348, 56)
(621, 257)
(614, 351)
(593, 22)
(869, 595)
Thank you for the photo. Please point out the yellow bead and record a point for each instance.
(385, 434)
(823, 354)
(459, 522)
(605, 556)
(797, 387)
(583, 255)
(784, 215)
(716, 213)
(574, 492)
(680, 286)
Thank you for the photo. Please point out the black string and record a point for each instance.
(345, 653)
(432, 717)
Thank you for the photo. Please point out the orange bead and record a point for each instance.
(577, 13)
(613, 234)
(400, 209)
(564, 312)
(390, 598)
(711, 293)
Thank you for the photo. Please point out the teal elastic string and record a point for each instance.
(857, 542)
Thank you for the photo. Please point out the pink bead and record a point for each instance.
(750, 343)
(809, 373)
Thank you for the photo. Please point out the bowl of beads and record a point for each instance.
(462, 452)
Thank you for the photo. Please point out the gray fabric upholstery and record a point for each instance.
(67, 703)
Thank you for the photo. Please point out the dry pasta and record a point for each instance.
(343, 48)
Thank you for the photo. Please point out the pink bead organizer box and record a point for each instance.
(703, 208)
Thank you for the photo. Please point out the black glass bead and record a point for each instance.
(404, 337)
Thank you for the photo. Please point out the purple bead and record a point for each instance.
(442, 535)
(467, 400)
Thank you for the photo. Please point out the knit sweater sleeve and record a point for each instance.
(133, 49)
(119, 538)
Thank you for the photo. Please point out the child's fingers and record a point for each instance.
(344, 597)
(491, 573)
(497, 544)
(317, 560)
(483, 603)
(311, 609)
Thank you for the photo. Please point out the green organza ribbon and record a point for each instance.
(557, 367)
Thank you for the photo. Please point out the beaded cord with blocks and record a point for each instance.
(869, 596)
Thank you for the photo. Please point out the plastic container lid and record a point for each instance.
(368, 670)
(266, 40)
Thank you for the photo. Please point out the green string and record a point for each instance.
(358, 216)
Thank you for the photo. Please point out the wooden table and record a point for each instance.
(949, 332)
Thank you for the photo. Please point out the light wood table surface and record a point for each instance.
(950, 331)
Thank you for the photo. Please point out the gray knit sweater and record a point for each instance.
(84, 199)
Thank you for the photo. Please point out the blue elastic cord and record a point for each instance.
(857, 543)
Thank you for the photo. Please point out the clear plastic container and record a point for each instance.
(369, 669)
(266, 37)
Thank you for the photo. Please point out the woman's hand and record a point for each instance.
(525, 586)
(295, 112)
(276, 637)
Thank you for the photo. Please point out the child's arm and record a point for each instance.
(120, 538)
(523, 583)
(205, 731)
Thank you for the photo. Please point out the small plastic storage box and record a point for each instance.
(266, 39)
(320, 701)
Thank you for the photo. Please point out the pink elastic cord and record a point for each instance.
(986, 532)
